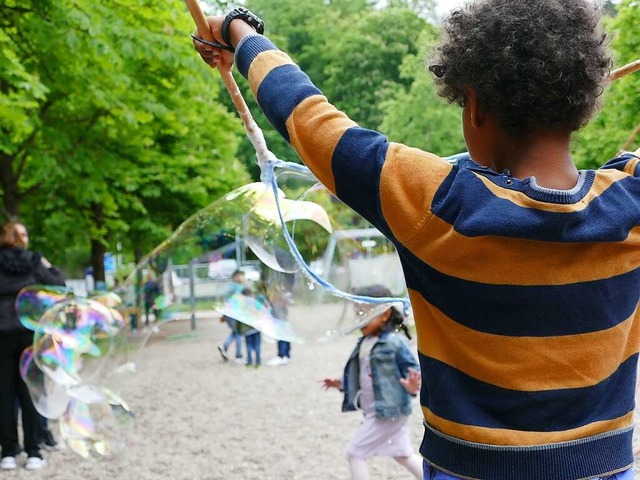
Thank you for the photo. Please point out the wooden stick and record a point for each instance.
(200, 20)
(256, 137)
(615, 75)
(629, 141)
(626, 70)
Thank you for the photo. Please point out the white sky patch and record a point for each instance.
(443, 7)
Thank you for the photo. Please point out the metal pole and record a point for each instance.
(192, 294)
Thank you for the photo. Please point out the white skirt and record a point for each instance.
(381, 437)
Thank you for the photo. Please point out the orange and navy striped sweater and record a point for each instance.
(525, 298)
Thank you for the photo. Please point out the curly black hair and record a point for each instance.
(535, 64)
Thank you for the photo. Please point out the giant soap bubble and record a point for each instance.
(273, 232)
(79, 346)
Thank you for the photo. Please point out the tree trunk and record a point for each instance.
(98, 248)
(97, 260)
(9, 185)
(137, 255)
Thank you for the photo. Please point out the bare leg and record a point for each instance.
(413, 464)
(358, 468)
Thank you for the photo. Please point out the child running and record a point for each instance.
(238, 281)
(251, 335)
(380, 378)
(523, 272)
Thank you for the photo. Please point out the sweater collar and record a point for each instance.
(530, 187)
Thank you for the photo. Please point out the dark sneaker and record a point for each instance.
(223, 352)
(48, 442)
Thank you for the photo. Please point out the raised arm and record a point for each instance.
(387, 183)
(47, 274)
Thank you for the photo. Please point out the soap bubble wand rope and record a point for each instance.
(298, 257)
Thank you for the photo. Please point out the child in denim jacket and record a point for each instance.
(381, 378)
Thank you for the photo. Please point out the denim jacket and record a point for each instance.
(390, 360)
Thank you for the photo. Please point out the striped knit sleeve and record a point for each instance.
(388, 184)
(627, 162)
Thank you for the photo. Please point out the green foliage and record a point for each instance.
(608, 132)
(115, 134)
(21, 94)
(424, 8)
(416, 115)
(364, 65)
(113, 130)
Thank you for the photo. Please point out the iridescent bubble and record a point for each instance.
(262, 226)
(49, 396)
(315, 313)
(97, 423)
(243, 230)
(259, 314)
(162, 302)
(79, 348)
(352, 256)
(108, 299)
(182, 261)
(34, 300)
(75, 339)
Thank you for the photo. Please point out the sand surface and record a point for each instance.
(199, 418)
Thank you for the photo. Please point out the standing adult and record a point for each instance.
(150, 291)
(19, 268)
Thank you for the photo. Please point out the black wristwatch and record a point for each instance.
(246, 16)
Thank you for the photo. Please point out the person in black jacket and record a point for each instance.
(19, 268)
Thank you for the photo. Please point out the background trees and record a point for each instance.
(620, 114)
(109, 131)
(112, 131)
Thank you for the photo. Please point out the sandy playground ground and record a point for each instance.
(201, 419)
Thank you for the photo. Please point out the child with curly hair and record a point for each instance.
(523, 271)
(380, 378)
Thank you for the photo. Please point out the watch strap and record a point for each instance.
(246, 16)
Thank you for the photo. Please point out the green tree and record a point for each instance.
(363, 67)
(424, 8)
(113, 134)
(619, 116)
(416, 115)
